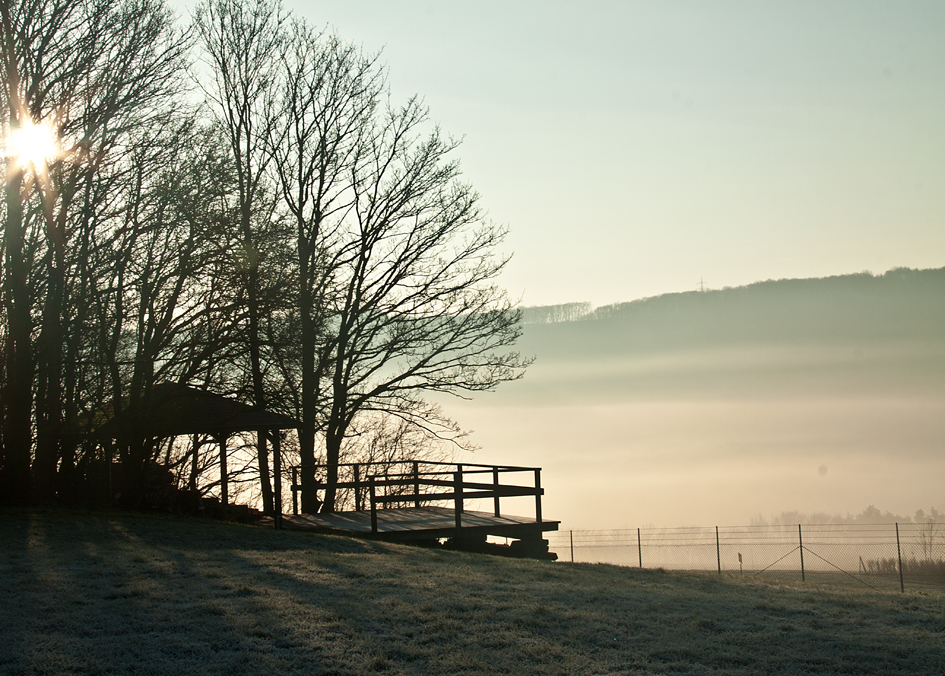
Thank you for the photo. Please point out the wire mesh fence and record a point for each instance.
(895, 557)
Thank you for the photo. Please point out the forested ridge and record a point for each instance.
(901, 304)
(847, 335)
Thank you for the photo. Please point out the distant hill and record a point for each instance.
(902, 304)
(848, 334)
(817, 395)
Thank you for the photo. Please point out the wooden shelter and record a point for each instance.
(177, 410)
(402, 501)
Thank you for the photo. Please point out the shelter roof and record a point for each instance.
(174, 410)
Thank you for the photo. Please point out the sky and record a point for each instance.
(638, 148)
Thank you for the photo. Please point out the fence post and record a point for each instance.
(373, 505)
(416, 484)
(800, 540)
(538, 495)
(357, 488)
(571, 533)
(718, 551)
(495, 488)
(458, 497)
(902, 585)
(640, 548)
(295, 491)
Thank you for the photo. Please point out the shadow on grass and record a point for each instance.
(119, 593)
(138, 594)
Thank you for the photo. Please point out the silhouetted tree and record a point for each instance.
(418, 310)
(94, 71)
(243, 43)
(329, 94)
(296, 241)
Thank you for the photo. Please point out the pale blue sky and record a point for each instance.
(634, 148)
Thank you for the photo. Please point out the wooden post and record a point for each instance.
(538, 495)
(277, 476)
(194, 464)
(718, 550)
(458, 496)
(224, 487)
(416, 484)
(295, 491)
(640, 548)
(495, 487)
(373, 505)
(357, 488)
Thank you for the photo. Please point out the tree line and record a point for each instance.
(238, 204)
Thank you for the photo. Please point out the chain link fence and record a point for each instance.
(893, 557)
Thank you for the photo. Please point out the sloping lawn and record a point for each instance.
(112, 593)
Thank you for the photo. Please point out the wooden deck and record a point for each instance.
(394, 501)
(421, 523)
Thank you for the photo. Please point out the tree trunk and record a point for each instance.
(15, 487)
(49, 400)
(265, 485)
(310, 377)
(18, 433)
(334, 436)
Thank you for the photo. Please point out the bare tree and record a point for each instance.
(394, 258)
(329, 95)
(243, 42)
(329, 261)
(91, 71)
(419, 310)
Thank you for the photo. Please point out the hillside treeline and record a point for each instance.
(870, 515)
(281, 232)
(900, 304)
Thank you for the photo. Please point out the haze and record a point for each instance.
(640, 148)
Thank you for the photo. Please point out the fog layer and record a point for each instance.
(716, 407)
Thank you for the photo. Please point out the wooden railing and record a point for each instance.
(384, 485)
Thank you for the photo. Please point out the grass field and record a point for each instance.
(113, 593)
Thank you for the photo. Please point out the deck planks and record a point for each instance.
(414, 523)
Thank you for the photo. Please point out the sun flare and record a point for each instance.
(32, 145)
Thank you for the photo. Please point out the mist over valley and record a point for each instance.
(720, 406)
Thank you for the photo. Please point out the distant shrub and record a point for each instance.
(932, 570)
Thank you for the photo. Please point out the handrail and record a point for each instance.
(466, 465)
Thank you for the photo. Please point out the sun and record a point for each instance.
(32, 145)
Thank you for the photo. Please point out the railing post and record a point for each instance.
(902, 585)
(537, 495)
(495, 487)
(358, 503)
(416, 484)
(458, 496)
(718, 550)
(373, 505)
(295, 491)
(800, 540)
